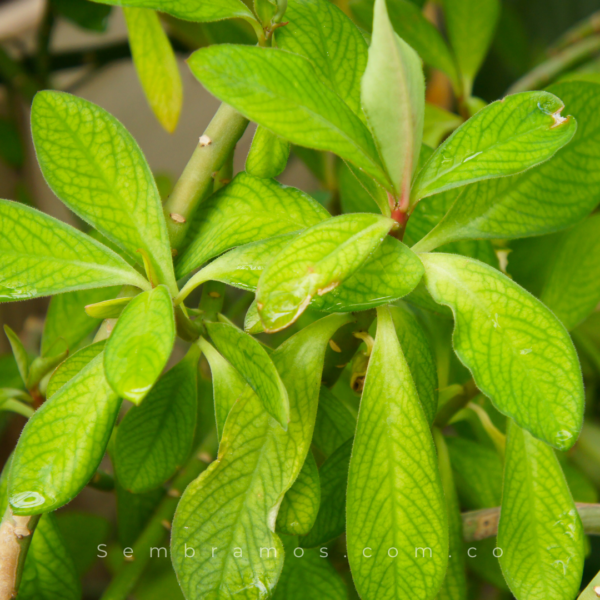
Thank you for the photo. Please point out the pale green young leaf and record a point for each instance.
(154, 439)
(268, 154)
(41, 256)
(390, 273)
(282, 92)
(505, 138)
(410, 24)
(314, 263)
(252, 324)
(227, 383)
(301, 502)
(67, 323)
(247, 210)
(471, 25)
(254, 364)
(192, 10)
(93, 164)
(140, 344)
(4, 485)
(308, 574)
(438, 124)
(477, 473)
(521, 356)
(49, 572)
(109, 309)
(393, 98)
(590, 591)
(73, 365)
(155, 64)
(395, 502)
(63, 443)
(455, 582)
(543, 199)
(335, 423)
(419, 357)
(572, 287)
(331, 518)
(19, 352)
(540, 531)
(233, 504)
(339, 51)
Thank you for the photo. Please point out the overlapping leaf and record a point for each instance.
(249, 209)
(395, 502)
(519, 353)
(41, 256)
(540, 531)
(96, 168)
(140, 344)
(63, 443)
(154, 439)
(505, 138)
(335, 423)
(233, 504)
(268, 154)
(282, 92)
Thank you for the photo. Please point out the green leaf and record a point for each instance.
(73, 365)
(63, 443)
(155, 64)
(109, 309)
(85, 14)
(268, 154)
(41, 256)
(572, 288)
(455, 582)
(82, 534)
(393, 98)
(395, 501)
(390, 273)
(505, 138)
(67, 323)
(282, 92)
(14, 405)
(338, 53)
(470, 25)
(228, 385)
(140, 344)
(354, 197)
(154, 439)
(133, 512)
(4, 485)
(590, 591)
(192, 10)
(331, 519)
(19, 352)
(316, 262)
(49, 571)
(301, 502)
(543, 199)
(254, 364)
(335, 423)
(308, 574)
(93, 164)
(233, 505)
(411, 25)
(540, 531)
(438, 124)
(520, 355)
(249, 209)
(477, 473)
(419, 357)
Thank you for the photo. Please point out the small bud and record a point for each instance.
(334, 346)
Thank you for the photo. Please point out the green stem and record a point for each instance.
(155, 532)
(102, 481)
(585, 28)
(196, 181)
(211, 302)
(44, 37)
(549, 70)
(482, 524)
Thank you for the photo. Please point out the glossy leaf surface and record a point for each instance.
(395, 501)
(154, 439)
(93, 164)
(519, 353)
(41, 256)
(140, 344)
(505, 138)
(540, 531)
(63, 443)
(314, 263)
